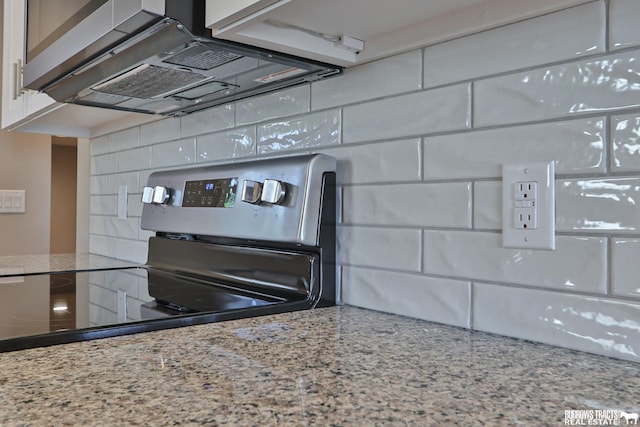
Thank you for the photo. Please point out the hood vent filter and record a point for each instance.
(201, 57)
(150, 81)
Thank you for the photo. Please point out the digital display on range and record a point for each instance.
(210, 193)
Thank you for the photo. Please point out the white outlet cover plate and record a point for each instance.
(544, 236)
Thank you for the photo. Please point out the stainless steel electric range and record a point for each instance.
(231, 241)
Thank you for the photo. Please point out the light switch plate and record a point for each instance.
(538, 228)
(12, 201)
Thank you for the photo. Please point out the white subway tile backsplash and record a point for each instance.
(424, 112)
(211, 120)
(125, 139)
(98, 225)
(99, 145)
(160, 131)
(103, 164)
(626, 142)
(418, 205)
(288, 102)
(130, 179)
(517, 46)
(625, 253)
(392, 248)
(487, 205)
(429, 298)
(144, 178)
(134, 205)
(134, 160)
(602, 85)
(623, 23)
(577, 265)
(419, 174)
(144, 235)
(365, 164)
(609, 205)
(596, 325)
(99, 184)
(389, 76)
(239, 142)
(481, 154)
(173, 153)
(132, 250)
(102, 245)
(606, 205)
(103, 205)
(111, 226)
(310, 131)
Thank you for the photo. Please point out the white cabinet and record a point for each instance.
(18, 103)
(221, 13)
(328, 30)
(30, 111)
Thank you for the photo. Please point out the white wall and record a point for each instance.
(25, 164)
(420, 139)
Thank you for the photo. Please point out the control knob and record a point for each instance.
(270, 191)
(273, 191)
(147, 195)
(251, 191)
(157, 195)
(160, 195)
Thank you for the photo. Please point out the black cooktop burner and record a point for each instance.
(45, 309)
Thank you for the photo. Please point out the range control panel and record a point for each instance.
(275, 199)
(210, 193)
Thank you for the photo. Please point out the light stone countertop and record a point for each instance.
(29, 264)
(339, 366)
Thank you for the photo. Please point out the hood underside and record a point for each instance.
(167, 70)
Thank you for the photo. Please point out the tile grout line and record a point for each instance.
(609, 268)
(607, 29)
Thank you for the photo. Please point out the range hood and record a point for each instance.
(157, 57)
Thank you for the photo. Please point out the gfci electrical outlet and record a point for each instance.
(528, 205)
(525, 218)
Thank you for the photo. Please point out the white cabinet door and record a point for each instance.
(264, 23)
(18, 103)
(220, 13)
(351, 32)
(12, 56)
(30, 111)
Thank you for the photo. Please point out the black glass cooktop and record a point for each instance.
(46, 309)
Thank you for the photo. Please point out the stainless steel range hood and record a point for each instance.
(159, 64)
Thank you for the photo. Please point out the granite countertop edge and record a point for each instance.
(16, 265)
